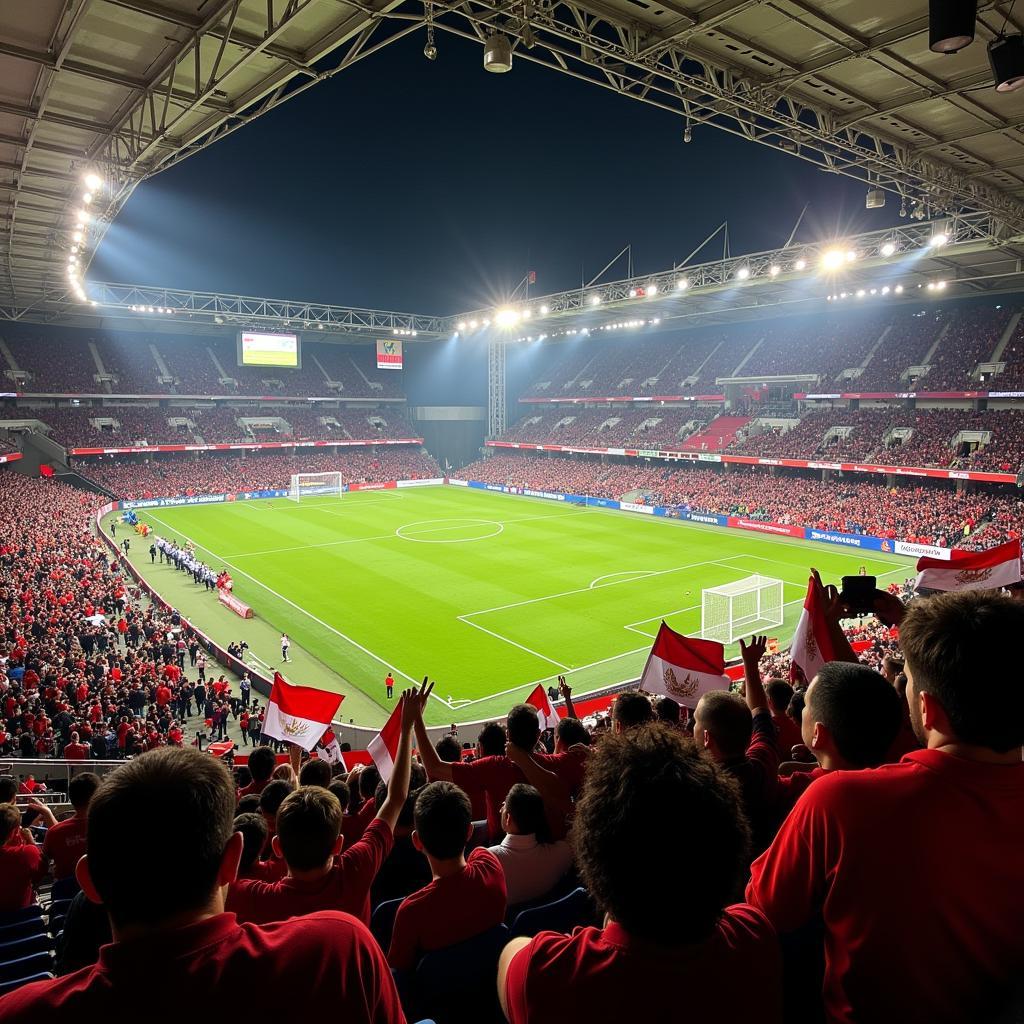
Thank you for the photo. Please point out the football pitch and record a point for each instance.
(486, 593)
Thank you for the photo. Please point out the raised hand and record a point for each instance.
(419, 697)
(564, 689)
(409, 703)
(754, 650)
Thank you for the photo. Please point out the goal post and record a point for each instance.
(315, 485)
(738, 609)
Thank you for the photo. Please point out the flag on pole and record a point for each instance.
(971, 570)
(329, 748)
(383, 747)
(812, 644)
(546, 714)
(299, 714)
(684, 667)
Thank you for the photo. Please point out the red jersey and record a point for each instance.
(327, 964)
(449, 910)
(915, 870)
(599, 974)
(21, 866)
(345, 887)
(64, 845)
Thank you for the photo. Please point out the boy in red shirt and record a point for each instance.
(171, 935)
(670, 952)
(914, 869)
(465, 898)
(21, 864)
(321, 874)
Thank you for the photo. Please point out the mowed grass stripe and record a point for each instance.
(402, 599)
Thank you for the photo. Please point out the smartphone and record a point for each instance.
(858, 594)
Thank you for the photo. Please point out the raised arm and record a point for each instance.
(436, 769)
(398, 784)
(553, 791)
(753, 691)
(834, 608)
(565, 690)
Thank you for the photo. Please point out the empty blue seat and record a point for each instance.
(13, 983)
(573, 911)
(26, 966)
(458, 984)
(23, 914)
(15, 949)
(22, 929)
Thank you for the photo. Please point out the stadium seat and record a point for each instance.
(479, 836)
(382, 922)
(58, 908)
(15, 949)
(26, 966)
(20, 915)
(22, 929)
(456, 985)
(573, 911)
(12, 984)
(64, 888)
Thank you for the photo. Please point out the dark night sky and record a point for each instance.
(434, 187)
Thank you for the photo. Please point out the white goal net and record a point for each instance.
(315, 485)
(738, 609)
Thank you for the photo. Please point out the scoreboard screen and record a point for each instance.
(258, 349)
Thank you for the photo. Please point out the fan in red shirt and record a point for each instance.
(171, 935)
(933, 931)
(497, 775)
(466, 896)
(787, 732)
(65, 841)
(321, 874)
(261, 764)
(75, 750)
(667, 952)
(21, 864)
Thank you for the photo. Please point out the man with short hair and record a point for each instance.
(787, 733)
(322, 874)
(315, 772)
(496, 775)
(932, 933)
(76, 750)
(668, 952)
(448, 749)
(65, 841)
(466, 896)
(630, 710)
(261, 764)
(21, 864)
(172, 940)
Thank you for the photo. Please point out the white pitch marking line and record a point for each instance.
(299, 608)
(514, 643)
(625, 572)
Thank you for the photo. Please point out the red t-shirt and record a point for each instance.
(449, 910)
(600, 974)
(253, 787)
(787, 735)
(915, 869)
(76, 752)
(64, 845)
(345, 887)
(327, 964)
(497, 775)
(791, 788)
(21, 865)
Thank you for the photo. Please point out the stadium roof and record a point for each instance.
(126, 88)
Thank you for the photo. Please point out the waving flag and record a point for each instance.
(546, 714)
(684, 667)
(971, 570)
(329, 748)
(299, 714)
(383, 747)
(812, 644)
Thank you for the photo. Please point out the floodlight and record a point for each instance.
(898, 289)
(93, 182)
(595, 300)
(682, 284)
(743, 273)
(800, 264)
(1006, 58)
(632, 293)
(83, 217)
(939, 239)
(544, 310)
(473, 325)
(506, 317)
(461, 325)
(940, 286)
(525, 314)
(951, 24)
(77, 236)
(851, 255)
(888, 249)
(885, 290)
(861, 293)
(652, 289)
(497, 54)
(832, 259)
(775, 270)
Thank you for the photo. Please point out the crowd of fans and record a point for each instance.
(133, 425)
(220, 473)
(926, 513)
(88, 668)
(764, 854)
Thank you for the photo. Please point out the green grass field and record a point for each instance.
(488, 594)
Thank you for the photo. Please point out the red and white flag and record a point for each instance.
(812, 644)
(971, 570)
(299, 714)
(329, 748)
(546, 714)
(684, 667)
(383, 747)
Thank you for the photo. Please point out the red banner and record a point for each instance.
(779, 529)
(229, 600)
(373, 487)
